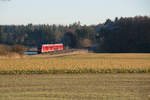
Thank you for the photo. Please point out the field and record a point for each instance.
(77, 63)
(75, 87)
(76, 76)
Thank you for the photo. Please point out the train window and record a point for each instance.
(46, 48)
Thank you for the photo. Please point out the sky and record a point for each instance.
(66, 12)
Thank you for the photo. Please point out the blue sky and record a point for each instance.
(69, 11)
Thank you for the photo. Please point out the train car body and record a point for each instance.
(50, 47)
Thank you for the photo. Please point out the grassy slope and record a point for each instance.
(75, 87)
(77, 63)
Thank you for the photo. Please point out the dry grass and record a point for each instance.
(12, 56)
(85, 62)
(75, 87)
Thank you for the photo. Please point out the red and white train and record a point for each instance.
(50, 47)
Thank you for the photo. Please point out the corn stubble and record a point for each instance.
(77, 63)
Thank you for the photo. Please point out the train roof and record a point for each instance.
(52, 44)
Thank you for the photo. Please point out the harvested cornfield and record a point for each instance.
(77, 63)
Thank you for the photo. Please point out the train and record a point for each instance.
(50, 48)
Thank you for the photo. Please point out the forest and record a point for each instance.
(124, 34)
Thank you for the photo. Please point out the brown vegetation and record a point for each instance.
(11, 51)
(77, 63)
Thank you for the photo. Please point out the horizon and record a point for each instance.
(70, 23)
(65, 12)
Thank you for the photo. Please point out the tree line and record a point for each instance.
(125, 34)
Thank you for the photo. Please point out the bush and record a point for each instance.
(5, 50)
(18, 49)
